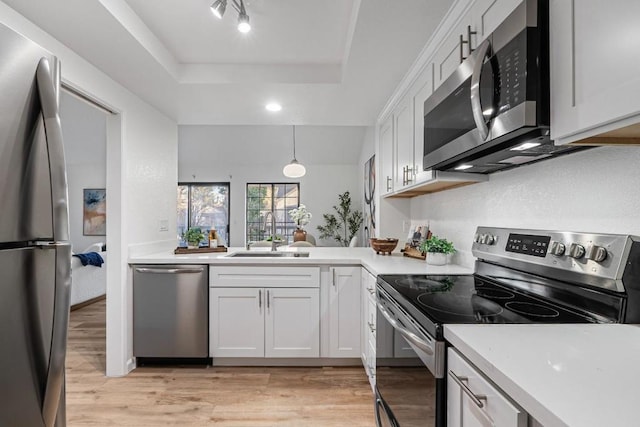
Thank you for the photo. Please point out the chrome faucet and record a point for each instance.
(273, 229)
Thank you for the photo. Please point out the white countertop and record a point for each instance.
(376, 264)
(573, 375)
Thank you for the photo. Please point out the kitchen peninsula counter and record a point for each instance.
(563, 375)
(335, 256)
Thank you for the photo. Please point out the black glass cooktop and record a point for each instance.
(471, 299)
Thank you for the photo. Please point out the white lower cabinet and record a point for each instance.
(344, 312)
(292, 322)
(368, 325)
(472, 400)
(236, 322)
(250, 320)
(268, 322)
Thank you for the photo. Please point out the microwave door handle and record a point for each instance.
(476, 103)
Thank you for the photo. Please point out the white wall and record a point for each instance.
(141, 179)
(592, 191)
(85, 138)
(368, 150)
(253, 154)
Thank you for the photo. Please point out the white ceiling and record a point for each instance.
(330, 62)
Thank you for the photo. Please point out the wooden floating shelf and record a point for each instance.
(439, 181)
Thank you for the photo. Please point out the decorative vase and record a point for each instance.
(193, 245)
(436, 258)
(299, 235)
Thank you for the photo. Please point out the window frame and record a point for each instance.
(273, 184)
(203, 184)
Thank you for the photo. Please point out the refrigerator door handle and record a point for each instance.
(47, 88)
(62, 297)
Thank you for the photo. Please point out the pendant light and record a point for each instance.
(294, 169)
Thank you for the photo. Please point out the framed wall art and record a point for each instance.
(94, 212)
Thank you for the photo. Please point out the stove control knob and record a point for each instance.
(596, 253)
(477, 238)
(576, 251)
(489, 239)
(556, 248)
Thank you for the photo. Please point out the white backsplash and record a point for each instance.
(597, 190)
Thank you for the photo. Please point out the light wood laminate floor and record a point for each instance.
(203, 396)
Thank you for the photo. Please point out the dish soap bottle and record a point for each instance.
(213, 238)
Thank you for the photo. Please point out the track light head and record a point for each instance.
(218, 7)
(243, 23)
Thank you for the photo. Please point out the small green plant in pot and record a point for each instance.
(437, 250)
(193, 236)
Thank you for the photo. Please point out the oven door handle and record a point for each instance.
(408, 335)
(476, 103)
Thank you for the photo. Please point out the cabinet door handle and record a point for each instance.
(333, 277)
(409, 174)
(388, 183)
(371, 291)
(268, 304)
(475, 398)
(371, 327)
(462, 43)
(404, 175)
(259, 298)
(469, 34)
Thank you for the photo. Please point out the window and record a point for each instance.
(263, 198)
(204, 205)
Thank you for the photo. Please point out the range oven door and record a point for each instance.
(407, 392)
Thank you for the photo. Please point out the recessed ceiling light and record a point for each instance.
(273, 106)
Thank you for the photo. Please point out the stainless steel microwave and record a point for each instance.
(492, 113)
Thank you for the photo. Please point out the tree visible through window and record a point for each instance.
(271, 197)
(204, 205)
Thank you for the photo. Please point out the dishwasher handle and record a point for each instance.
(169, 270)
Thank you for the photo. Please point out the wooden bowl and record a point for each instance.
(384, 246)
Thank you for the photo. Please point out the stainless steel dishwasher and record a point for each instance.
(170, 311)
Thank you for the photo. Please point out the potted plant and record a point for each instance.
(437, 250)
(343, 227)
(193, 236)
(301, 217)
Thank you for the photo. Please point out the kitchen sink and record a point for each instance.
(269, 255)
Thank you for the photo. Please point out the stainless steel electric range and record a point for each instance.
(521, 276)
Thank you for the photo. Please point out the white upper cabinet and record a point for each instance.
(386, 156)
(595, 67)
(423, 87)
(453, 50)
(486, 15)
(403, 127)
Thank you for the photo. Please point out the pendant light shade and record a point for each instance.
(294, 169)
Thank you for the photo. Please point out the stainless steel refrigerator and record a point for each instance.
(35, 255)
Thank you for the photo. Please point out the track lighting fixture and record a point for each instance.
(219, 6)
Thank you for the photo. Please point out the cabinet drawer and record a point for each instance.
(275, 277)
(497, 409)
